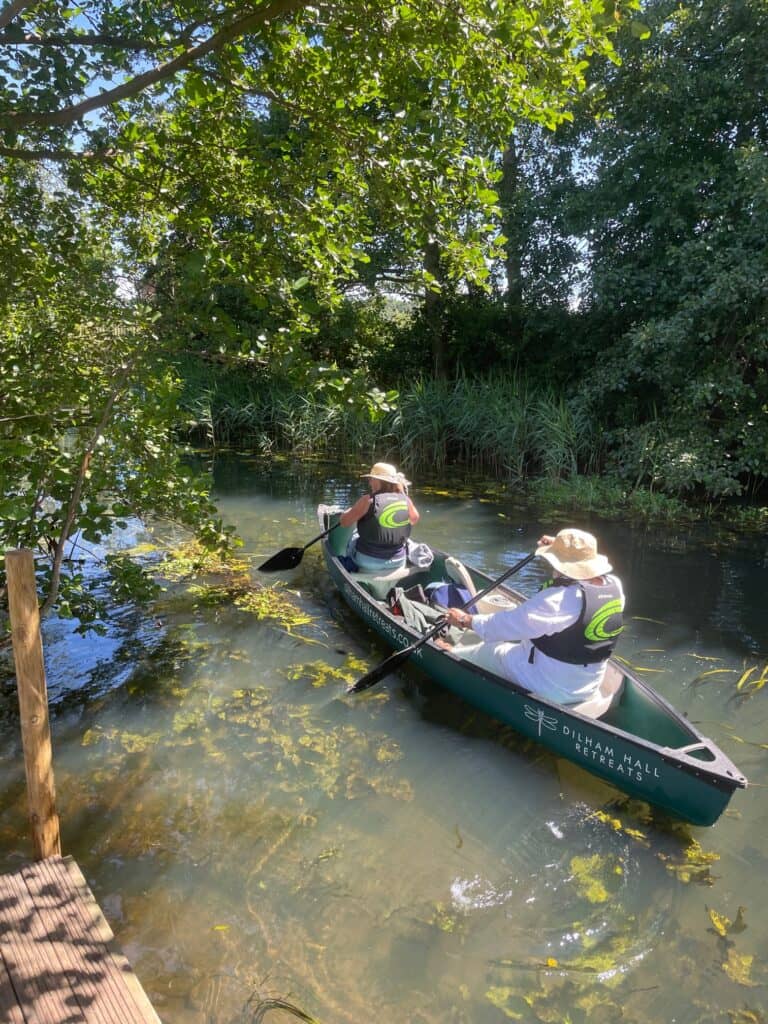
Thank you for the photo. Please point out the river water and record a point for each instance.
(254, 834)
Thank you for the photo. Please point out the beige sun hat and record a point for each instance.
(574, 554)
(387, 472)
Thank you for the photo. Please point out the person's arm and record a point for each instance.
(457, 617)
(413, 512)
(541, 615)
(351, 515)
(516, 619)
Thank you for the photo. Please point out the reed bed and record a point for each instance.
(503, 426)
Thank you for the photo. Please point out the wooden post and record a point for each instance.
(33, 702)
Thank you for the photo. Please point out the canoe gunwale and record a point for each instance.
(720, 772)
(670, 778)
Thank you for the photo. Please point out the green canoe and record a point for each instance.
(628, 735)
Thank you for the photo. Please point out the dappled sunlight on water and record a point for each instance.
(253, 832)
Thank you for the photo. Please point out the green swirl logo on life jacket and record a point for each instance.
(388, 518)
(595, 629)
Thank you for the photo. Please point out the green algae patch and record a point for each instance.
(321, 673)
(445, 920)
(511, 1004)
(747, 1015)
(619, 826)
(191, 560)
(204, 580)
(275, 603)
(585, 872)
(738, 967)
(694, 865)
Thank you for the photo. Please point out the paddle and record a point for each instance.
(289, 558)
(391, 663)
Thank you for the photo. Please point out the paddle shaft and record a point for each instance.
(289, 558)
(320, 536)
(391, 663)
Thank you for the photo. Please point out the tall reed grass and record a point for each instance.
(504, 426)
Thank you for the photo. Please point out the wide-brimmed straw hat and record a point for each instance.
(574, 554)
(386, 472)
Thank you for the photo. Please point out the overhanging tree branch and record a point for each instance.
(74, 501)
(239, 27)
(15, 36)
(59, 155)
(9, 12)
(95, 39)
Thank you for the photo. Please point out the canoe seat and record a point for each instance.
(608, 695)
(494, 602)
(380, 586)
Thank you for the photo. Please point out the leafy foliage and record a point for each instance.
(676, 211)
(86, 400)
(228, 161)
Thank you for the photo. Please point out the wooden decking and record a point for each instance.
(58, 962)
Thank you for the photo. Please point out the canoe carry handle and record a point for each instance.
(715, 761)
(699, 745)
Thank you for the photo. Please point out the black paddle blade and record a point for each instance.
(382, 670)
(288, 558)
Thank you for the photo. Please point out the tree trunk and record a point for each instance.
(434, 310)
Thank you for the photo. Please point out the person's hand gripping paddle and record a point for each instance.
(396, 659)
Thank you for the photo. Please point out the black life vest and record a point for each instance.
(385, 527)
(592, 637)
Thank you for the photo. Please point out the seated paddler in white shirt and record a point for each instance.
(557, 643)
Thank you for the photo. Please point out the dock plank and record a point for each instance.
(119, 978)
(61, 962)
(43, 992)
(10, 1011)
(85, 959)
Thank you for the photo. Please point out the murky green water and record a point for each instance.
(251, 832)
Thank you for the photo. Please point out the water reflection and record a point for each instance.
(252, 832)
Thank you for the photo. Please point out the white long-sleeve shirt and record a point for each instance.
(509, 635)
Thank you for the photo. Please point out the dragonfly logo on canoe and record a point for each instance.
(541, 718)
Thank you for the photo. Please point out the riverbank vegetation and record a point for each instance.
(522, 239)
(624, 329)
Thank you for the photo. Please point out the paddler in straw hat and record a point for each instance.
(557, 642)
(384, 519)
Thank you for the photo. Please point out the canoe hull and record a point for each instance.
(682, 785)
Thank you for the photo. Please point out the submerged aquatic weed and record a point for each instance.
(227, 580)
(192, 560)
(746, 1016)
(619, 826)
(738, 967)
(694, 865)
(748, 743)
(584, 982)
(584, 871)
(257, 1008)
(513, 1004)
(273, 602)
(723, 926)
(689, 863)
(321, 673)
(130, 742)
(747, 686)
(446, 921)
(707, 676)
